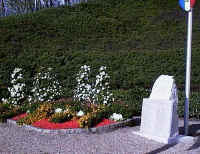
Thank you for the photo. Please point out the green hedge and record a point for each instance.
(133, 99)
(194, 105)
(127, 69)
(136, 40)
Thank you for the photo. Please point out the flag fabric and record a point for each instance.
(186, 4)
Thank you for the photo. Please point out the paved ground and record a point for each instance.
(16, 140)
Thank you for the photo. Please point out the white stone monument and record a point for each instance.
(159, 119)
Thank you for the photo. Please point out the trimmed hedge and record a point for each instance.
(136, 40)
(133, 98)
(127, 69)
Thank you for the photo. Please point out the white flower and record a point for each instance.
(17, 89)
(30, 98)
(66, 110)
(92, 92)
(88, 87)
(82, 76)
(12, 75)
(4, 100)
(58, 110)
(50, 68)
(116, 117)
(104, 102)
(102, 68)
(16, 70)
(42, 92)
(102, 73)
(80, 113)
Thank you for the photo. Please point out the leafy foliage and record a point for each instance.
(92, 118)
(136, 40)
(194, 105)
(43, 111)
(61, 117)
(9, 110)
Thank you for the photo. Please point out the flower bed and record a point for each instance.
(104, 126)
(45, 124)
(92, 105)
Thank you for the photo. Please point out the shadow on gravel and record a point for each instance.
(136, 122)
(194, 131)
(196, 145)
(164, 148)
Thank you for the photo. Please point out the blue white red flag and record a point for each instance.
(186, 4)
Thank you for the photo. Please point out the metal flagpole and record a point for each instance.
(35, 3)
(188, 70)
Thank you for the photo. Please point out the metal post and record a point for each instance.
(35, 4)
(188, 70)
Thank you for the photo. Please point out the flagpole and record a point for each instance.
(188, 71)
(35, 4)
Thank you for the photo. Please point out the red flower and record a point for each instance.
(45, 124)
(19, 116)
(105, 122)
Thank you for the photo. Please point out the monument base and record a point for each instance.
(169, 140)
(159, 120)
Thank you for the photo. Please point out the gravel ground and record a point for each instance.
(16, 140)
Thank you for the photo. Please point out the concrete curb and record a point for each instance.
(101, 129)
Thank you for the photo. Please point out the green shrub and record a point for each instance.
(4, 107)
(44, 110)
(131, 103)
(92, 118)
(74, 106)
(136, 40)
(8, 111)
(131, 100)
(194, 105)
(124, 109)
(33, 106)
(61, 117)
(126, 69)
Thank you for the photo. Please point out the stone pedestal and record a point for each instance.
(159, 119)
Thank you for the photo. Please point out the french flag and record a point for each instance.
(186, 4)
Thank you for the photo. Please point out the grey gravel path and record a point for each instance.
(16, 140)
